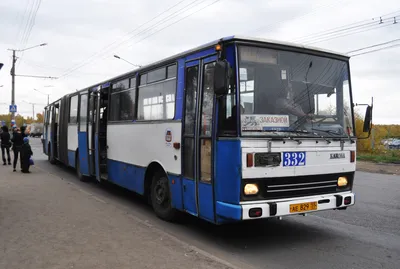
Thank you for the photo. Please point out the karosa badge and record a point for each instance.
(338, 156)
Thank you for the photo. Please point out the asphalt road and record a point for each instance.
(366, 235)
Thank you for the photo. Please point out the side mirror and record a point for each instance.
(221, 77)
(367, 128)
(367, 120)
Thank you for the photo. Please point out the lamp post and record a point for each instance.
(13, 74)
(48, 95)
(119, 58)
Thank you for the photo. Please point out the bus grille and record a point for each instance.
(288, 187)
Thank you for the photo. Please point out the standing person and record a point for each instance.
(26, 153)
(17, 146)
(5, 145)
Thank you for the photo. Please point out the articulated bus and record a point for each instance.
(233, 130)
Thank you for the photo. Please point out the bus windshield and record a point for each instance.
(291, 93)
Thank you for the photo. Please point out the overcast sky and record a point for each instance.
(76, 30)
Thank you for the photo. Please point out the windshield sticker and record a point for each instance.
(264, 122)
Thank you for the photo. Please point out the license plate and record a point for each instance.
(296, 208)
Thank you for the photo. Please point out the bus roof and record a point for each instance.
(210, 44)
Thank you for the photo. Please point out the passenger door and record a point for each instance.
(198, 133)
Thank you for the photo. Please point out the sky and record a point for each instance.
(83, 36)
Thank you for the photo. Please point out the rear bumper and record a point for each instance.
(282, 208)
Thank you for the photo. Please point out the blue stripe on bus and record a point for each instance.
(126, 175)
(189, 196)
(83, 153)
(131, 177)
(206, 201)
(228, 171)
(180, 89)
(228, 213)
(200, 54)
(175, 184)
(71, 158)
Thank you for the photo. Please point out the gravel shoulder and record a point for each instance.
(380, 168)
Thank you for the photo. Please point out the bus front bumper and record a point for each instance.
(295, 206)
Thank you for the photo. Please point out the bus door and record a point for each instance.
(92, 132)
(198, 189)
(55, 131)
(83, 135)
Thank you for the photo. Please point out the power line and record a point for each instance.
(29, 28)
(166, 19)
(369, 28)
(216, 1)
(376, 50)
(373, 46)
(354, 25)
(106, 48)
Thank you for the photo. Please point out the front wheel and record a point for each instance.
(161, 197)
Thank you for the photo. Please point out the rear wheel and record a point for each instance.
(161, 197)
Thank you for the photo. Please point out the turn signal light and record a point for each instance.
(347, 200)
(352, 156)
(250, 159)
(255, 212)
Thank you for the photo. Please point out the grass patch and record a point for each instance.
(384, 157)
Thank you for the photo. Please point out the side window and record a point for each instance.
(50, 115)
(45, 116)
(123, 101)
(191, 84)
(83, 113)
(227, 109)
(73, 109)
(207, 99)
(157, 100)
(207, 107)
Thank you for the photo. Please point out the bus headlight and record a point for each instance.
(250, 189)
(342, 182)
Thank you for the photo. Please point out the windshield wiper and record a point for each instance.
(335, 133)
(327, 131)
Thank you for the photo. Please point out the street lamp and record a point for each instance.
(116, 56)
(48, 95)
(33, 108)
(13, 74)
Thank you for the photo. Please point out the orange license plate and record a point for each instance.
(303, 207)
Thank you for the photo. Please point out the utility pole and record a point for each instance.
(13, 84)
(14, 60)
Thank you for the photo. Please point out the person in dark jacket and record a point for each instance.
(17, 141)
(26, 153)
(5, 138)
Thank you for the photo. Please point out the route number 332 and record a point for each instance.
(294, 158)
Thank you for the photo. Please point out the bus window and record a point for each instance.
(73, 109)
(157, 100)
(83, 113)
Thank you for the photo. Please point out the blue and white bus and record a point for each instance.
(236, 129)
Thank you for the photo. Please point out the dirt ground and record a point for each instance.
(381, 168)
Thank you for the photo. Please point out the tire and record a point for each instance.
(78, 171)
(161, 197)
